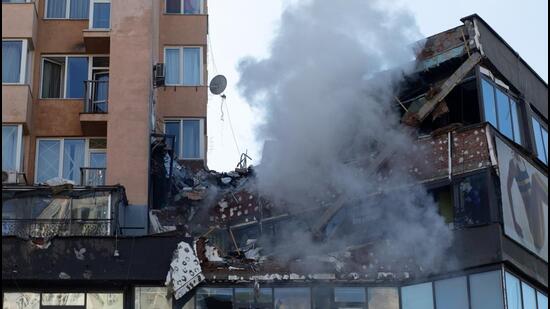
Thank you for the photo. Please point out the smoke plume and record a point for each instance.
(327, 92)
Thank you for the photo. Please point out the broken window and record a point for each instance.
(21, 300)
(443, 198)
(104, 301)
(383, 298)
(473, 201)
(214, 298)
(248, 298)
(292, 298)
(63, 299)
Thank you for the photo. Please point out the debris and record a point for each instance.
(80, 253)
(185, 271)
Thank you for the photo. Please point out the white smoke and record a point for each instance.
(332, 115)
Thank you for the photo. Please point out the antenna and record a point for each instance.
(218, 84)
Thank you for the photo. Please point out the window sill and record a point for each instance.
(58, 99)
(67, 19)
(182, 14)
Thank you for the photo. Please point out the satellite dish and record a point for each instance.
(218, 84)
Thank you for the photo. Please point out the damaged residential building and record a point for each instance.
(154, 228)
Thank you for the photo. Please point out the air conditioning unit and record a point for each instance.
(10, 177)
(158, 74)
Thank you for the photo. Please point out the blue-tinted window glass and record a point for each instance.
(173, 128)
(77, 73)
(192, 66)
(73, 159)
(541, 140)
(79, 9)
(11, 61)
(56, 8)
(191, 139)
(486, 291)
(48, 160)
(513, 292)
(214, 298)
(102, 15)
(9, 148)
(515, 121)
(452, 293)
(419, 296)
(349, 295)
(173, 6)
(504, 114)
(529, 296)
(489, 102)
(192, 6)
(98, 159)
(542, 300)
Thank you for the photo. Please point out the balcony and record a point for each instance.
(17, 105)
(43, 228)
(93, 118)
(93, 176)
(97, 41)
(19, 20)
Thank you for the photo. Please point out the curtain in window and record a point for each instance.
(48, 160)
(11, 61)
(191, 139)
(192, 6)
(51, 83)
(77, 73)
(172, 66)
(9, 148)
(173, 128)
(191, 66)
(79, 9)
(173, 6)
(73, 159)
(56, 8)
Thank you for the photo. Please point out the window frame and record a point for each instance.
(67, 12)
(181, 66)
(23, 61)
(87, 152)
(91, 15)
(543, 126)
(180, 141)
(19, 146)
(511, 97)
(64, 81)
(182, 8)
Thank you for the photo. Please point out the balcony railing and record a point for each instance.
(40, 228)
(92, 176)
(96, 95)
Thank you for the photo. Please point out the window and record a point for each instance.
(14, 1)
(214, 298)
(247, 298)
(419, 296)
(295, 298)
(183, 66)
(542, 300)
(486, 290)
(189, 139)
(513, 291)
(350, 297)
(184, 6)
(67, 9)
(152, 298)
(540, 134)
(64, 76)
(11, 147)
(65, 158)
(529, 296)
(501, 110)
(101, 14)
(473, 198)
(14, 61)
(383, 298)
(452, 293)
(63, 299)
(21, 300)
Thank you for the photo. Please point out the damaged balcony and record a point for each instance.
(43, 212)
(93, 119)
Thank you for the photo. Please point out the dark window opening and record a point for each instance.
(473, 201)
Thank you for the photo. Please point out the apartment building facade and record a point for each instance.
(480, 114)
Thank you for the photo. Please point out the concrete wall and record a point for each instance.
(19, 20)
(129, 96)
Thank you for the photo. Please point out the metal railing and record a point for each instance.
(92, 176)
(96, 96)
(41, 228)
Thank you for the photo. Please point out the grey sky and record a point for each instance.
(240, 28)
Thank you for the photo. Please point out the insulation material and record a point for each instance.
(185, 271)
